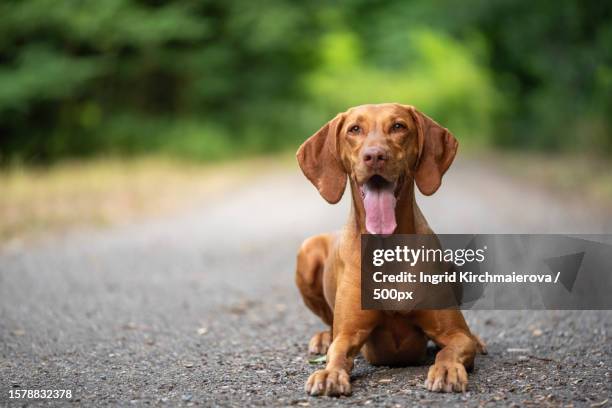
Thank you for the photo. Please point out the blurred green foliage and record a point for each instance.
(209, 79)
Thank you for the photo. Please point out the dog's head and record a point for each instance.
(381, 147)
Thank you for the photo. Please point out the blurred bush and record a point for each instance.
(209, 79)
(463, 98)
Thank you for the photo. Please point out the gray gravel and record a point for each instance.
(201, 309)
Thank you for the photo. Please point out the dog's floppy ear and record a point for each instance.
(319, 159)
(437, 149)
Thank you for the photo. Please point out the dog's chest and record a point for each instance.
(400, 324)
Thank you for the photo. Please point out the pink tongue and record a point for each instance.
(380, 211)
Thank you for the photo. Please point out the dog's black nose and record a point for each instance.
(375, 156)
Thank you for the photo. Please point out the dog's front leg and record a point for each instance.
(447, 328)
(352, 327)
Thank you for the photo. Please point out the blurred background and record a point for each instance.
(196, 82)
(176, 123)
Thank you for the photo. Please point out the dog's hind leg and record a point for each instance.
(309, 279)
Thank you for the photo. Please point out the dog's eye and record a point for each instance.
(354, 129)
(398, 126)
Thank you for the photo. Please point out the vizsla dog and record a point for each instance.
(383, 151)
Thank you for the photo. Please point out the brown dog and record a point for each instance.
(383, 150)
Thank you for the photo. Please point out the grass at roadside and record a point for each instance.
(584, 178)
(36, 201)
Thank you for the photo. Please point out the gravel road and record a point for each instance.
(201, 309)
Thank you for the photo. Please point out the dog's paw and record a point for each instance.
(330, 382)
(319, 343)
(447, 377)
(481, 346)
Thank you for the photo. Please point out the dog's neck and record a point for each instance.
(404, 210)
